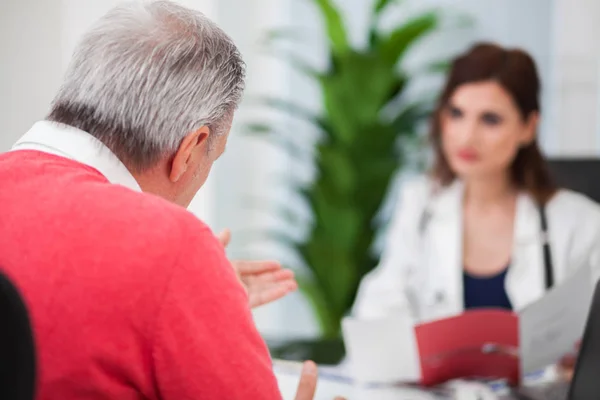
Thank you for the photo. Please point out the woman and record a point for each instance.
(474, 233)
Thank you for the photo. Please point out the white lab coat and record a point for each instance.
(421, 268)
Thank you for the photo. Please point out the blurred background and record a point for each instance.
(290, 141)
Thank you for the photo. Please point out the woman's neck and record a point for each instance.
(489, 191)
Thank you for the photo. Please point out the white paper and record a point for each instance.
(331, 384)
(550, 327)
(382, 350)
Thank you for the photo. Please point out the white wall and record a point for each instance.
(30, 67)
(576, 84)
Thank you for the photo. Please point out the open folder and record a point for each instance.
(483, 344)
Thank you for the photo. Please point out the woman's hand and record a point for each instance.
(567, 363)
(264, 281)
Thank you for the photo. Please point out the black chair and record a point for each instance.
(578, 174)
(17, 348)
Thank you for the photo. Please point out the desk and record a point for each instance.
(328, 390)
(334, 381)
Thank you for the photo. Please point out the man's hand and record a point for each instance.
(265, 281)
(308, 382)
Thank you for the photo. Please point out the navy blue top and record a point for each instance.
(485, 292)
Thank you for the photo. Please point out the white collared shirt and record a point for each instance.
(75, 144)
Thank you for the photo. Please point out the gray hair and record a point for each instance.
(146, 75)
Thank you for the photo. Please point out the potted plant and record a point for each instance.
(364, 127)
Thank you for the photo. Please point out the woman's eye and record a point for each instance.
(454, 112)
(491, 119)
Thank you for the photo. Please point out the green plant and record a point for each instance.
(364, 122)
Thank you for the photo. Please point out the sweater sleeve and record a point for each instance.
(205, 344)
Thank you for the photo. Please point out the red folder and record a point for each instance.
(476, 344)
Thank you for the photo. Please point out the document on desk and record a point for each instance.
(382, 350)
(331, 385)
(550, 327)
(480, 343)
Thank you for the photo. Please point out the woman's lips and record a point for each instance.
(468, 155)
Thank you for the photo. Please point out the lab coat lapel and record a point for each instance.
(525, 279)
(445, 254)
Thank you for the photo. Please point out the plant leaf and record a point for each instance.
(282, 211)
(336, 31)
(336, 161)
(438, 67)
(281, 34)
(337, 271)
(268, 234)
(461, 20)
(380, 6)
(355, 93)
(295, 62)
(296, 111)
(321, 304)
(270, 134)
(394, 47)
(410, 116)
(366, 126)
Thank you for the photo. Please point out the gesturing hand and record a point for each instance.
(307, 386)
(308, 382)
(567, 363)
(265, 281)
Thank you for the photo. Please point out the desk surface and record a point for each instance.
(328, 390)
(334, 381)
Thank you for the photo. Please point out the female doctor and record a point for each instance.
(488, 228)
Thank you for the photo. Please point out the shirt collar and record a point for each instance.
(65, 141)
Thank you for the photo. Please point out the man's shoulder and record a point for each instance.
(89, 206)
(76, 203)
(148, 214)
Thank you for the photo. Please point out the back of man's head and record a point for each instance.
(145, 76)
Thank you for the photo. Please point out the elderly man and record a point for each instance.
(130, 295)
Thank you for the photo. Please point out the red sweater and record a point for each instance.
(131, 297)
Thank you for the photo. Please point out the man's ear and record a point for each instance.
(183, 157)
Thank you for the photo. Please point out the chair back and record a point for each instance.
(578, 174)
(17, 349)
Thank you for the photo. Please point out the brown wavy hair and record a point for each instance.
(516, 72)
